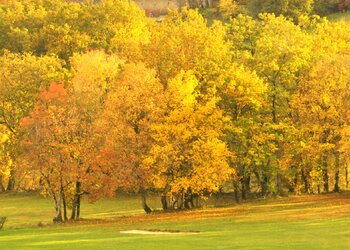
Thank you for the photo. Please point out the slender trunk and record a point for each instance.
(245, 183)
(347, 176)
(164, 202)
(336, 177)
(192, 200)
(58, 217)
(274, 115)
(325, 178)
(336, 184)
(197, 204)
(144, 202)
(305, 181)
(78, 194)
(260, 182)
(186, 204)
(181, 204)
(278, 183)
(74, 206)
(243, 190)
(235, 185)
(76, 202)
(11, 182)
(65, 218)
(57, 204)
(78, 207)
(173, 201)
(264, 185)
(293, 186)
(188, 200)
(2, 189)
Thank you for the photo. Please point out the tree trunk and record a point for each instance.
(235, 185)
(278, 183)
(186, 204)
(164, 202)
(188, 200)
(192, 200)
(264, 185)
(325, 177)
(325, 180)
(144, 202)
(58, 217)
(347, 176)
(305, 181)
(336, 177)
(273, 111)
(78, 194)
(245, 183)
(65, 218)
(181, 204)
(78, 207)
(2, 189)
(11, 182)
(243, 190)
(74, 206)
(58, 207)
(57, 201)
(336, 184)
(293, 187)
(76, 202)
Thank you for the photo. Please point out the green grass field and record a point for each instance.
(299, 222)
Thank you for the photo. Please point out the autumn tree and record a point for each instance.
(280, 52)
(321, 111)
(134, 102)
(243, 95)
(67, 27)
(183, 41)
(21, 78)
(56, 140)
(119, 26)
(43, 27)
(188, 157)
(92, 76)
(47, 145)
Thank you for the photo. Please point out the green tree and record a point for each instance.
(243, 95)
(280, 52)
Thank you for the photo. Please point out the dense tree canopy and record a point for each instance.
(96, 97)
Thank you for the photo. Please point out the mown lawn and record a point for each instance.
(301, 222)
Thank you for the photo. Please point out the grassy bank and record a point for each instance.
(304, 222)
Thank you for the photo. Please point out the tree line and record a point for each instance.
(97, 98)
